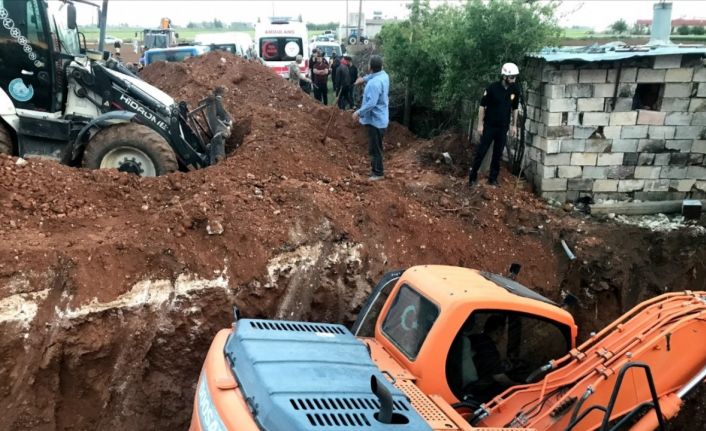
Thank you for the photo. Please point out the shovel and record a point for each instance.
(330, 118)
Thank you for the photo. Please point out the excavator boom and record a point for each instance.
(655, 352)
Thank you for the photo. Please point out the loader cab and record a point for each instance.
(29, 42)
(466, 335)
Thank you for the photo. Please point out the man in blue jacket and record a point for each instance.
(374, 113)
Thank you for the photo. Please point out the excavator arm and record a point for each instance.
(631, 375)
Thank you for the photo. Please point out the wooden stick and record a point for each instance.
(328, 125)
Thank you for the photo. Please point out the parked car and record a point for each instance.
(110, 40)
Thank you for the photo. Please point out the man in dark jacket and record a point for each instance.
(320, 77)
(333, 64)
(497, 106)
(354, 77)
(343, 80)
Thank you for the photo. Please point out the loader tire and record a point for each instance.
(5, 140)
(352, 40)
(132, 148)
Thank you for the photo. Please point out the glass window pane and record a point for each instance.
(409, 321)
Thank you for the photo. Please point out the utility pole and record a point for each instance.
(348, 31)
(102, 23)
(360, 16)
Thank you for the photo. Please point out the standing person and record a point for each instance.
(334, 63)
(374, 114)
(295, 75)
(343, 78)
(312, 61)
(320, 71)
(135, 46)
(499, 102)
(354, 77)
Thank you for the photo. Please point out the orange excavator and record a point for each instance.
(447, 348)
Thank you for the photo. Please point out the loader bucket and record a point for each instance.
(211, 123)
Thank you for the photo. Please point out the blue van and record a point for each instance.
(173, 54)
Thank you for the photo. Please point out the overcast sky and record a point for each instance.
(597, 14)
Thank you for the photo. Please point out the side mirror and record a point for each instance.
(71, 16)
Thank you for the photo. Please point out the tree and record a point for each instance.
(619, 26)
(698, 30)
(638, 29)
(456, 51)
(191, 25)
(683, 30)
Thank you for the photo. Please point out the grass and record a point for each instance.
(586, 33)
(127, 34)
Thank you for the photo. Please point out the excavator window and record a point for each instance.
(496, 349)
(409, 321)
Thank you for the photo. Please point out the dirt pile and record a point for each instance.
(112, 286)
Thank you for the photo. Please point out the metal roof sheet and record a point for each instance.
(613, 51)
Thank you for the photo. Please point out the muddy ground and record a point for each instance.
(112, 286)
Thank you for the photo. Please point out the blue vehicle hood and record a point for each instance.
(301, 376)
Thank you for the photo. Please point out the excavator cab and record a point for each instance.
(466, 334)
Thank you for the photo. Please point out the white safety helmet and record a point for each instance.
(510, 69)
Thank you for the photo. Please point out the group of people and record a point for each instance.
(497, 116)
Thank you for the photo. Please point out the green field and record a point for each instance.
(185, 34)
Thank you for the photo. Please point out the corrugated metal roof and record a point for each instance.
(613, 51)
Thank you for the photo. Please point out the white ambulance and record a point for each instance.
(279, 41)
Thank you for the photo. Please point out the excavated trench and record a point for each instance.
(112, 287)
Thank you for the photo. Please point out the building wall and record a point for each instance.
(579, 144)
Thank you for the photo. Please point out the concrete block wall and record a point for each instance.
(584, 138)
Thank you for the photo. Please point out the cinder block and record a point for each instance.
(646, 159)
(679, 159)
(556, 159)
(553, 184)
(667, 61)
(533, 98)
(696, 159)
(673, 172)
(551, 118)
(572, 119)
(534, 154)
(689, 132)
(683, 74)
(681, 145)
(572, 145)
(675, 105)
(651, 145)
(700, 74)
(594, 172)
(698, 119)
(559, 131)
(652, 118)
(701, 92)
(698, 172)
(620, 172)
(662, 159)
(578, 90)
(547, 171)
(650, 75)
(647, 172)
(623, 118)
(701, 185)
(625, 145)
(677, 90)
(605, 186)
(612, 132)
(549, 146)
(609, 159)
(596, 118)
(626, 186)
(627, 74)
(597, 76)
(580, 184)
(598, 145)
(697, 105)
(581, 132)
(569, 172)
(699, 146)
(583, 159)
(656, 185)
(591, 104)
(554, 91)
(678, 118)
(554, 196)
(604, 90)
(682, 185)
(621, 105)
(630, 159)
(561, 105)
(661, 132)
(569, 76)
(634, 132)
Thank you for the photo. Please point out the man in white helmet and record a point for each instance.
(497, 114)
